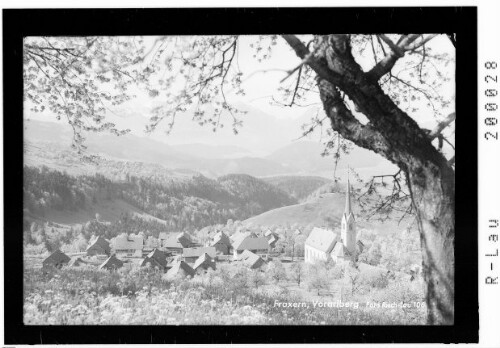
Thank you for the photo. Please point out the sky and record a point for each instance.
(261, 82)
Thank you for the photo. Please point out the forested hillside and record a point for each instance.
(298, 187)
(192, 202)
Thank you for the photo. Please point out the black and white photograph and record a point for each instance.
(239, 179)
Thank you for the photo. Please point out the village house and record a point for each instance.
(111, 263)
(56, 259)
(190, 255)
(239, 235)
(221, 243)
(98, 246)
(175, 242)
(76, 261)
(203, 263)
(257, 245)
(323, 244)
(180, 269)
(129, 245)
(251, 260)
(272, 238)
(156, 258)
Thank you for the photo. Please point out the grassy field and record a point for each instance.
(85, 295)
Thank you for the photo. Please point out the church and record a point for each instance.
(324, 244)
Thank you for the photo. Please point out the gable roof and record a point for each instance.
(250, 243)
(239, 235)
(322, 239)
(76, 261)
(56, 258)
(178, 240)
(204, 261)
(180, 268)
(129, 242)
(164, 235)
(221, 237)
(197, 252)
(100, 243)
(156, 257)
(111, 263)
(272, 241)
(250, 259)
(340, 250)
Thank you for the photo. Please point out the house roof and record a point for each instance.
(268, 232)
(204, 260)
(111, 262)
(128, 242)
(178, 240)
(164, 235)
(180, 268)
(152, 261)
(321, 239)
(221, 237)
(250, 243)
(56, 257)
(196, 252)
(249, 259)
(239, 235)
(272, 240)
(158, 256)
(76, 261)
(99, 242)
(340, 250)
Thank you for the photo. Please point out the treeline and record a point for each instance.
(298, 187)
(183, 203)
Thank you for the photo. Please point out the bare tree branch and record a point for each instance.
(442, 125)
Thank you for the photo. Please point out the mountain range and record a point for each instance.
(297, 158)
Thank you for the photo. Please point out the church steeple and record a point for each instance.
(348, 230)
(348, 209)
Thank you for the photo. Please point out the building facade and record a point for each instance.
(324, 244)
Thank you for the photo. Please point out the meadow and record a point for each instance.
(227, 296)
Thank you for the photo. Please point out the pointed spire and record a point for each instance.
(348, 209)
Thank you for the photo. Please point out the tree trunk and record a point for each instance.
(393, 134)
(433, 198)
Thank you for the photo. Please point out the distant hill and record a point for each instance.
(324, 211)
(252, 190)
(187, 203)
(306, 156)
(297, 158)
(298, 187)
(211, 151)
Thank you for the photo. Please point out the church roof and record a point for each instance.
(340, 250)
(348, 206)
(322, 239)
